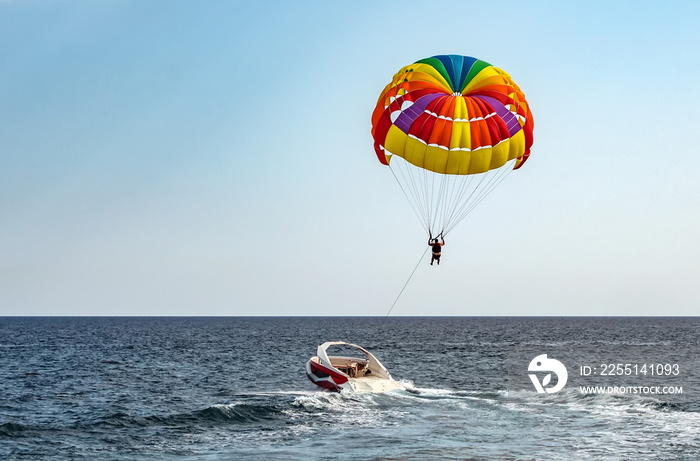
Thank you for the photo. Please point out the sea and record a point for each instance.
(234, 388)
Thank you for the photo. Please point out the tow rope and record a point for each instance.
(406, 284)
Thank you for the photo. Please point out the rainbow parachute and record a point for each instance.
(458, 125)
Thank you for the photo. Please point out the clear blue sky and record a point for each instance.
(215, 158)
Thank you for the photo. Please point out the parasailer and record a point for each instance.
(437, 249)
(451, 128)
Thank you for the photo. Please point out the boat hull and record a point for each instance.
(336, 381)
(324, 377)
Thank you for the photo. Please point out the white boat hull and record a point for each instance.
(349, 374)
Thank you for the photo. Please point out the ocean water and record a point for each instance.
(235, 388)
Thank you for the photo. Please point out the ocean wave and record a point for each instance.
(239, 413)
(13, 429)
(234, 413)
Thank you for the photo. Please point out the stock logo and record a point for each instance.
(544, 365)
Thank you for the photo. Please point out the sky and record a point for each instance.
(215, 158)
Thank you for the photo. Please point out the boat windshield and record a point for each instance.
(344, 350)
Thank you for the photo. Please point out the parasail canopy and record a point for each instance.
(451, 128)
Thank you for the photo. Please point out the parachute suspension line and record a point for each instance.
(428, 180)
(410, 202)
(496, 179)
(460, 186)
(418, 186)
(469, 186)
(422, 189)
(429, 196)
(454, 190)
(434, 204)
(420, 180)
(474, 199)
(407, 184)
(493, 183)
(457, 211)
(406, 284)
(441, 200)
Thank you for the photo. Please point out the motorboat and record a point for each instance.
(349, 373)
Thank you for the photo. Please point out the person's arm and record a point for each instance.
(443, 241)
